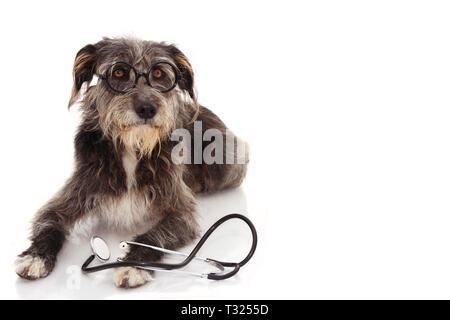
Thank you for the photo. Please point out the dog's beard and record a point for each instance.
(142, 139)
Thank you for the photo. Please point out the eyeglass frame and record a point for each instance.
(146, 75)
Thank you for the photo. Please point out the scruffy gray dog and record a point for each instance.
(124, 175)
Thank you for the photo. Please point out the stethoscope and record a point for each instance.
(100, 250)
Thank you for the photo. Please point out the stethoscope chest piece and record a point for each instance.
(100, 249)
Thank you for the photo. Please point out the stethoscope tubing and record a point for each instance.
(151, 265)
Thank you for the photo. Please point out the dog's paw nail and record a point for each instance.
(130, 277)
(30, 268)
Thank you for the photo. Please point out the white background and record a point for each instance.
(346, 106)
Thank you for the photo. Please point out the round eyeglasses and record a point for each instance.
(121, 77)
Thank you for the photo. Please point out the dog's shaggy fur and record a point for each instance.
(124, 175)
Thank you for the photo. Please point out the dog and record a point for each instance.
(124, 172)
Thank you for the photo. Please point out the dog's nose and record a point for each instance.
(145, 110)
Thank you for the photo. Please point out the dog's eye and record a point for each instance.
(119, 73)
(157, 73)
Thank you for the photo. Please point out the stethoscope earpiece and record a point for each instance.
(123, 245)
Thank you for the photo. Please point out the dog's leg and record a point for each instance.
(209, 178)
(174, 231)
(48, 233)
(47, 238)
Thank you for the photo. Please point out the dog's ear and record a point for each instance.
(187, 75)
(83, 70)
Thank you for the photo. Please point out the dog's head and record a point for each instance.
(141, 89)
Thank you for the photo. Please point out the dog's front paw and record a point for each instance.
(130, 277)
(31, 268)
